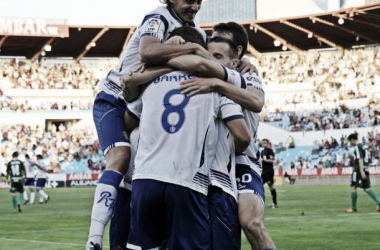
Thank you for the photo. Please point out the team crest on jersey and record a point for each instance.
(153, 25)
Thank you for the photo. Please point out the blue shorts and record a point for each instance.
(41, 182)
(30, 182)
(120, 221)
(167, 211)
(224, 220)
(108, 112)
(249, 181)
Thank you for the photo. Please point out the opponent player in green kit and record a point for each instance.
(16, 173)
(360, 173)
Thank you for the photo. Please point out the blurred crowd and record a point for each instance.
(334, 75)
(332, 153)
(66, 148)
(43, 75)
(7, 104)
(337, 118)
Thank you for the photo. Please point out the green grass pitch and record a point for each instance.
(63, 222)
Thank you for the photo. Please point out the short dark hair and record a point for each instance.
(353, 136)
(39, 157)
(167, 2)
(266, 140)
(27, 156)
(15, 154)
(239, 34)
(234, 54)
(189, 34)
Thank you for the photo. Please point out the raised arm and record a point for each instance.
(132, 81)
(197, 64)
(152, 51)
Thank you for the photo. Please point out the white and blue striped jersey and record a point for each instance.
(41, 174)
(223, 171)
(158, 23)
(178, 134)
(29, 169)
(251, 155)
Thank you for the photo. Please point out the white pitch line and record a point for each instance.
(51, 230)
(320, 216)
(46, 242)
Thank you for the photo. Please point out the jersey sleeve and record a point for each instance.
(271, 154)
(233, 77)
(135, 108)
(155, 25)
(228, 110)
(253, 81)
(360, 151)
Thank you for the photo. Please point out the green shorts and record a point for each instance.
(17, 187)
(357, 181)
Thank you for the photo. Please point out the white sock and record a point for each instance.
(32, 195)
(25, 195)
(42, 194)
(102, 209)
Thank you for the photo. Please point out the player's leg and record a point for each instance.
(224, 220)
(40, 185)
(147, 214)
(366, 184)
(108, 114)
(272, 189)
(120, 221)
(187, 219)
(14, 198)
(21, 196)
(354, 194)
(32, 193)
(251, 208)
(26, 199)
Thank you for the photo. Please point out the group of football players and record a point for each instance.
(177, 122)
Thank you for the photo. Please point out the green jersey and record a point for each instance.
(361, 151)
(16, 169)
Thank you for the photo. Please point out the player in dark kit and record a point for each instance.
(16, 174)
(360, 173)
(267, 156)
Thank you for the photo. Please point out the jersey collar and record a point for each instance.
(175, 16)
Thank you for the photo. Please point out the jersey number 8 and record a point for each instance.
(169, 108)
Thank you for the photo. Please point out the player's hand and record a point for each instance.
(364, 176)
(202, 52)
(123, 79)
(247, 66)
(175, 40)
(196, 86)
(140, 69)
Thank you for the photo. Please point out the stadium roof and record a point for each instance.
(340, 29)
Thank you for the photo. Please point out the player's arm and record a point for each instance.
(232, 116)
(271, 157)
(22, 166)
(132, 81)
(199, 65)
(40, 166)
(361, 161)
(251, 98)
(242, 138)
(152, 51)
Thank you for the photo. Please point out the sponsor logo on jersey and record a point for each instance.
(153, 25)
